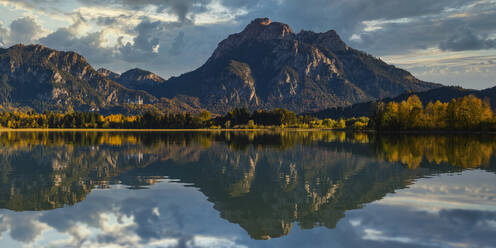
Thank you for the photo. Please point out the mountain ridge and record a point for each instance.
(38, 78)
(266, 65)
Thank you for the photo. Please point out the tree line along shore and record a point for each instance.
(466, 113)
(238, 118)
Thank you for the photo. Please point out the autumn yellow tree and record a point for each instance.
(465, 113)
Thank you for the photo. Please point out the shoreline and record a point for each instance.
(164, 130)
(382, 132)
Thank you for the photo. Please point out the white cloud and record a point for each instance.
(355, 37)
(445, 193)
(218, 13)
(432, 64)
(376, 235)
(206, 241)
(374, 25)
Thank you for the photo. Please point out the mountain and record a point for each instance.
(136, 79)
(44, 79)
(443, 94)
(267, 65)
(37, 78)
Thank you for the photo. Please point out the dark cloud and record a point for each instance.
(170, 48)
(181, 8)
(417, 228)
(146, 43)
(344, 16)
(108, 21)
(147, 33)
(89, 45)
(467, 40)
(177, 45)
(402, 25)
(24, 228)
(429, 32)
(425, 23)
(23, 30)
(34, 3)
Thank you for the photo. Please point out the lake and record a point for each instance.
(246, 189)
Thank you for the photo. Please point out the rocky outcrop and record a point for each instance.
(260, 29)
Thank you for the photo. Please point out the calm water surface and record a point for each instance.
(246, 189)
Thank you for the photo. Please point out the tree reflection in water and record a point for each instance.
(263, 181)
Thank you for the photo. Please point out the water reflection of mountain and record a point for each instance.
(41, 171)
(264, 181)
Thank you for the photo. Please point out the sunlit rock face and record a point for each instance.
(268, 65)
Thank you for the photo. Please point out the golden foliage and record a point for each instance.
(466, 113)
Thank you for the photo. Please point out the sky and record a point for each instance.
(452, 42)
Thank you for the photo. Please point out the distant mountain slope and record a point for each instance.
(443, 94)
(136, 79)
(41, 79)
(108, 73)
(44, 79)
(267, 65)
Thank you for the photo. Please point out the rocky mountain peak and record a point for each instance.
(259, 30)
(138, 79)
(261, 21)
(31, 47)
(265, 29)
